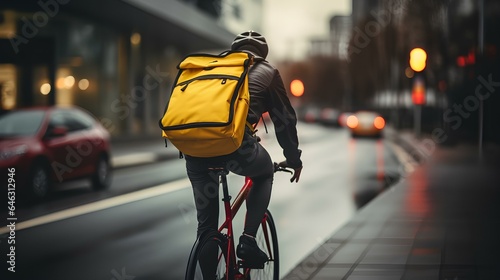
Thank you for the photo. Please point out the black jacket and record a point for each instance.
(268, 94)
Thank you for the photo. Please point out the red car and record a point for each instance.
(48, 145)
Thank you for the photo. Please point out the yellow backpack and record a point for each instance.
(207, 111)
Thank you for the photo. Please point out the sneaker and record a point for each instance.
(250, 253)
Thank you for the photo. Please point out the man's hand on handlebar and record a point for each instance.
(296, 173)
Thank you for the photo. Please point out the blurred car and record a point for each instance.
(330, 117)
(343, 118)
(46, 145)
(312, 114)
(365, 123)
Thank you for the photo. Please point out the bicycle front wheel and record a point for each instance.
(208, 258)
(267, 239)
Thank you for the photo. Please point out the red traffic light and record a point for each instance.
(418, 91)
(468, 59)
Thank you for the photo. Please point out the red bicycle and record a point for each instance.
(221, 242)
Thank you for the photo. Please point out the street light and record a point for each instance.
(418, 59)
(297, 88)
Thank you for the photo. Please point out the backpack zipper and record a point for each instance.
(207, 77)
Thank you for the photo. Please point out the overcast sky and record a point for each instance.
(288, 25)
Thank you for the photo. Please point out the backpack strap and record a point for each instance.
(264, 122)
(250, 126)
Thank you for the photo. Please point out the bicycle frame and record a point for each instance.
(231, 209)
(224, 236)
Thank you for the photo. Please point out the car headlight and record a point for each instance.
(14, 152)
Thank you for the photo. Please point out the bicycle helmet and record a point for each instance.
(251, 41)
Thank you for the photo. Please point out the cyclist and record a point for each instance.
(267, 94)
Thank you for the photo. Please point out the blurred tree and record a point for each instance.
(323, 78)
(381, 42)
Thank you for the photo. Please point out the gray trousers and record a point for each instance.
(251, 160)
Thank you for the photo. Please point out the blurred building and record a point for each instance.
(335, 45)
(115, 58)
(361, 9)
(240, 15)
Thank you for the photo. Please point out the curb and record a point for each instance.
(407, 145)
(132, 160)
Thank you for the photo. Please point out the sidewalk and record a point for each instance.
(441, 221)
(131, 152)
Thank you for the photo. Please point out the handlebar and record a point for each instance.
(277, 168)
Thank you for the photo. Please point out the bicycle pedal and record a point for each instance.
(252, 265)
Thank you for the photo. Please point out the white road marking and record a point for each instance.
(102, 204)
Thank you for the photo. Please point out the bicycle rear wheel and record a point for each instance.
(267, 239)
(208, 258)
